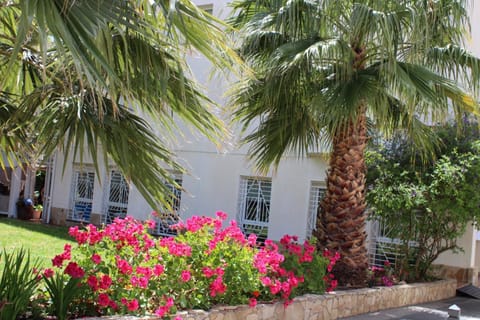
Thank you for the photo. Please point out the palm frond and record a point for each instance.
(456, 62)
(73, 125)
(359, 53)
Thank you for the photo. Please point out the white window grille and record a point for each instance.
(116, 197)
(81, 196)
(382, 247)
(254, 206)
(163, 221)
(317, 192)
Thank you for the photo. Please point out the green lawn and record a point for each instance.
(43, 241)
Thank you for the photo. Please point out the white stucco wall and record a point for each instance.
(213, 185)
(465, 259)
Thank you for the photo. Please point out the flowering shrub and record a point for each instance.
(382, 276)
(125, 270)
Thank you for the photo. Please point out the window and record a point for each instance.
(116, 197)
(383, 247)
(317, 192)
(254, 206)
(82, 195)
(166, 219)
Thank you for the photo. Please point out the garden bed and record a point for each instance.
(333, 305)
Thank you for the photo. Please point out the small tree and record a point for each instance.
(427, 207)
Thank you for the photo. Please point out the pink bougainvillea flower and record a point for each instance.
(252, 302)
(158, 270)
(67, 250)
(221, 215)
(141, 282)
(103, 300)
(124, 266)
(161, 311)
(275, 287)
(333, 285)
(57, 261)
(96, 258)
(113, 305)
(80, 236)
(217, 287)
(186, 275)
(105, 281)
(92, 282)
(252, 240)
(266, 281)
(132, 305)
(150, 224)
(145, 271)
(48, 273)
(74, 270)
(208, 272)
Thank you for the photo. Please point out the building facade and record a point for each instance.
(283, 201)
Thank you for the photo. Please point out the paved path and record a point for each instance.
(470, 309)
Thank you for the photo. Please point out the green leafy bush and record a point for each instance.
(426, 207)
(121, 269)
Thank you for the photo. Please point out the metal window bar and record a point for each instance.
(164, 221)
(254, 206)
(317, 192)
(383, 247)
(116, 198)
(82, 196)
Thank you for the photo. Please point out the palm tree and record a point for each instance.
(79, 74)
(326, 67)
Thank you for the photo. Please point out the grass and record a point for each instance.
(43, 241)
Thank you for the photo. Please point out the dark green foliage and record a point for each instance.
(427, 205)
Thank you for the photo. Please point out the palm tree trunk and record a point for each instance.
(341, 218)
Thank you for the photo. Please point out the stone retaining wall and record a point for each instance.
(331, 306)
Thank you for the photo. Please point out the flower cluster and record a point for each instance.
(382, 276)
(332, 260)
(122, 269)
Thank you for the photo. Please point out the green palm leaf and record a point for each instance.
(321, 67)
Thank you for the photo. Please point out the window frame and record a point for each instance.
(317, 192)
(163, 221)
(121, 206)
(260, 224)
(77, 202)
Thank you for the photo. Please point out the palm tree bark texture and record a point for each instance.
(341, 217)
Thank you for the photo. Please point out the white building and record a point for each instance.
(278, 203)
(273, 204)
